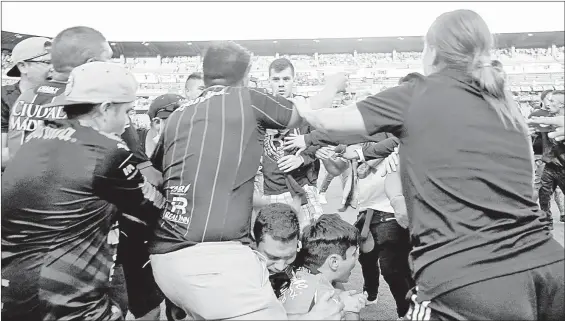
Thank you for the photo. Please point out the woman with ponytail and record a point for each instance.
(480, 249)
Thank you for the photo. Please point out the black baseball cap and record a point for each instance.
(164, 105)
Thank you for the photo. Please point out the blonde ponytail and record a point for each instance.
(492, 82)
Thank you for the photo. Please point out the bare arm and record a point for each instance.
(383, 112)
(322, 100)
(346, 120)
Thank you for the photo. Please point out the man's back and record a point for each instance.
(210, 152)
(27, 114)
(58, 204)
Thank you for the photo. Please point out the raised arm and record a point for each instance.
(277, 112)
(383, 112)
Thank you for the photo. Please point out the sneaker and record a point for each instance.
(562, 219)
(322, 198)
(371, 299)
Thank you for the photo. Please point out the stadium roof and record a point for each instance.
(305, 46)
(249, 20)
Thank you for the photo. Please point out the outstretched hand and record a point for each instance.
(294, 141)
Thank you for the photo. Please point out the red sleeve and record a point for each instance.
(384, 112)
(272, 111)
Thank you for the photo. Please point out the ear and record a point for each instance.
(22, 67)
(333, 262)
(104, 107)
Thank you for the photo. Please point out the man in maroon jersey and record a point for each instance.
(67, 185)
(209, 154)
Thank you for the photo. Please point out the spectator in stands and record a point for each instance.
(32, 62)
(194, 85)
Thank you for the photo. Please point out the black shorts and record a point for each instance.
(536, 294)
(143, 293)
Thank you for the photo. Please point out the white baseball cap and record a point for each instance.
(98, 82)
(30, 49)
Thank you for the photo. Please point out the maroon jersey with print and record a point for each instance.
(209, 154)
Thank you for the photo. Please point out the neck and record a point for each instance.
(60, 76)
(25, 84)
(327, 274)
(89, 122)
(153, 132)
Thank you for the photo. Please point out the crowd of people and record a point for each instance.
(214, 208)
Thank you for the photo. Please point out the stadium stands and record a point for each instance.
(529, 69)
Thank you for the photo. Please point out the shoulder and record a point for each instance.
(113, 154)
(300, 294)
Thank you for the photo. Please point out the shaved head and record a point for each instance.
(75, 46)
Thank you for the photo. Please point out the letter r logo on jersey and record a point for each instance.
(180, 204)
(128, 170)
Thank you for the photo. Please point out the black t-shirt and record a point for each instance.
(467, 180)
(60, 196)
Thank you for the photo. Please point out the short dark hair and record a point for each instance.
(74, 111)
(278, 220)
(73, 47)
(497, 64)
(328, 235)
(281, 64)
(410, 76)
(225, 63)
